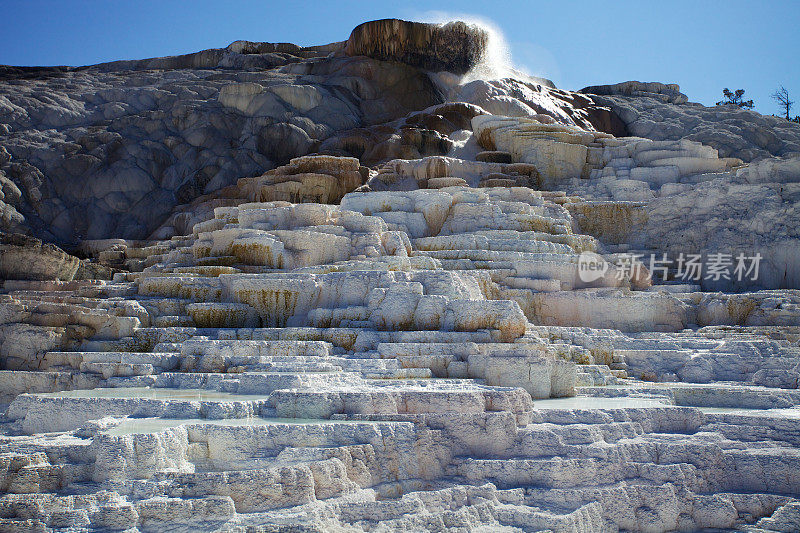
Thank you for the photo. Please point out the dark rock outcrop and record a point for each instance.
(455, 46)
(420, 134)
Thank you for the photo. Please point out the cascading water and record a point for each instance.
(495, 62)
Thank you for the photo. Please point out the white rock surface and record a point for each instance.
(415, 346)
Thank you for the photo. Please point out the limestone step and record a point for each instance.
(163, 361)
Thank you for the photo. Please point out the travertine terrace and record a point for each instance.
(342, 288)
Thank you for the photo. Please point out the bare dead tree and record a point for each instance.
(782, 97)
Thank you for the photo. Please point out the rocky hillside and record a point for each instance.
(370, 286)
(109, 150)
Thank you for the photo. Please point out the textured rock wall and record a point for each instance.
(397, 332)
(454, 46)
(110, 150)
(660, 112)
(23, 257)
(642, 192)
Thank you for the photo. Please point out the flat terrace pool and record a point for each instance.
(790, 412)
(133, 426)
(599, 402)
(155, 394)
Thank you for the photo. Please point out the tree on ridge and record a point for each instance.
(782, 97)
(735, 98)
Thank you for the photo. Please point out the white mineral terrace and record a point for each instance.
(377, 362)
(413, 346)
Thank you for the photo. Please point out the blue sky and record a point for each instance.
(703, 45)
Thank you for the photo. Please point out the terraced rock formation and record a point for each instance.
(305, 289)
